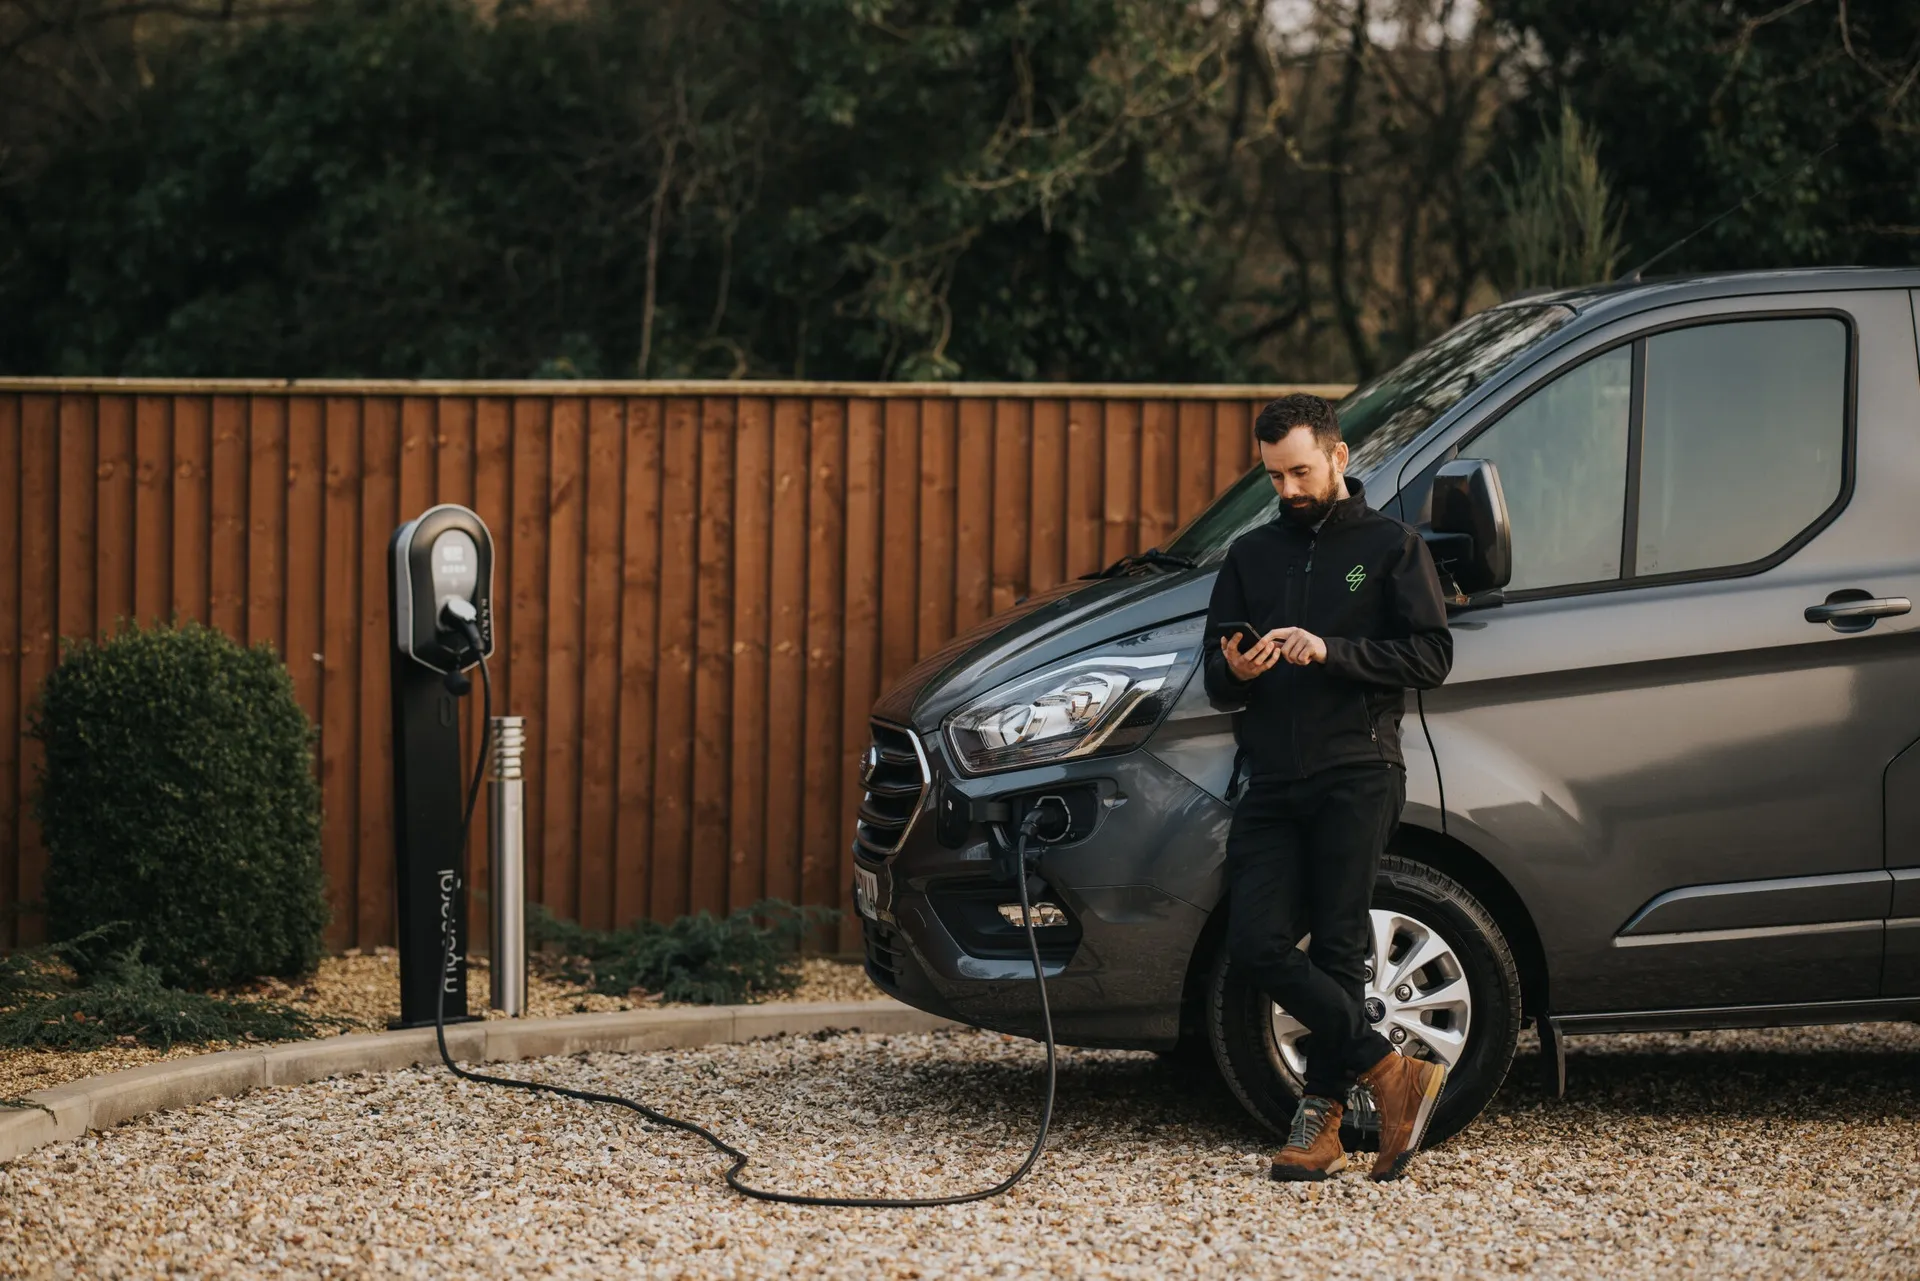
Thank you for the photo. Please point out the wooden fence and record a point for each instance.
(700, 588)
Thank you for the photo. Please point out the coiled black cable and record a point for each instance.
(1027, 829)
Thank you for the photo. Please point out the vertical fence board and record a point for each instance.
(826, 580)
(673, 721)
(752, 553)
(39, 479)
(113, 516)
(267, 523)
(306, 542)
(1159, 472)
(1012, 483)
(12, 820)
(227, 508)
(379, 516)
(1122, 492)
(153, 509)
(476, 468)
(1233, 448)
(900, 539)
(639, 660)
(453, 428)
(974, 501)
(861, 637)
(559, 780)
(192, 514)
(1194, 460)
(1086, 488)
(786, 652)
(600, 659)
(484, 431)
(418, 482)
(493, 501)
(1046, 559)
(340, 668)
(713, 659)
(939, 475)
(79, 483)
(526, 638)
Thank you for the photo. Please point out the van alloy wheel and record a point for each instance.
(1417, 997)
(1443, 986)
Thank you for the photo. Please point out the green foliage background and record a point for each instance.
(404, 188)
(988, 189)
(1700, 103)
(178, 800)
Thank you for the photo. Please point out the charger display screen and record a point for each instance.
(455, 565)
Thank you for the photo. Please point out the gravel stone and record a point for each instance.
(1776, 1153)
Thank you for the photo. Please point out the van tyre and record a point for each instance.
(1241, 1027)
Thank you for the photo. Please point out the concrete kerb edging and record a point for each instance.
(98, 1102)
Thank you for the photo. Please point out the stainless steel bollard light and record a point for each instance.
(507, 860)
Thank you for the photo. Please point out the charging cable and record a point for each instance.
(1041, 813)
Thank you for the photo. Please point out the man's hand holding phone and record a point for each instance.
(1296, 645)
(1248, 663)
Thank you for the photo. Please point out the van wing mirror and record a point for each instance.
(1469, 535)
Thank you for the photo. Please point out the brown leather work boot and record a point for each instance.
(1404, 1092)
(1313, 1148)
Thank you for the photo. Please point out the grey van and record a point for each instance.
(1673, 781)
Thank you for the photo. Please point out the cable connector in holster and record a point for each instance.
(1043, 822)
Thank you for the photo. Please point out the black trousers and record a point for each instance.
(1302, 855)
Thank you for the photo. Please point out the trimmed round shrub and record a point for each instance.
(178, 797)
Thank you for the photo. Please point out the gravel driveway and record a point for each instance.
(1776, 1153)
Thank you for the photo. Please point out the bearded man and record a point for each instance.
(1345, 614)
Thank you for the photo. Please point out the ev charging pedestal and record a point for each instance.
(443, 556)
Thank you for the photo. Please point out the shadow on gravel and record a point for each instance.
(1111, 1091)
(1844, 1075)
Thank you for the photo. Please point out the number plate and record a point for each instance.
(866, 892)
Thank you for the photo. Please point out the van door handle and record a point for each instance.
(1857, 614)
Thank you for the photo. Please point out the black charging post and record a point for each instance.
(441, 578)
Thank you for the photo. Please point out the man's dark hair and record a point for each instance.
(1299, 410)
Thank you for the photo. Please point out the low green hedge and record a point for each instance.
(703, 958)
(178, 799)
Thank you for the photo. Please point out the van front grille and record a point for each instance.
(895, 778)
(885, 951)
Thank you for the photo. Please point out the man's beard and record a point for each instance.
(1307, 511)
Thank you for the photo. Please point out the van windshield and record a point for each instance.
(1380, 417)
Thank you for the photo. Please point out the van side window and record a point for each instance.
(1562, 455)
(1744, 440)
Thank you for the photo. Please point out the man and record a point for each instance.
(1347, 614)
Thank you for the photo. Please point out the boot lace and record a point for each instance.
(1308, 1120)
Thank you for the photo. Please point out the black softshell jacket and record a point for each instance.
(1365, 584)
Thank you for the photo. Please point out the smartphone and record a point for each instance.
(1248, 633)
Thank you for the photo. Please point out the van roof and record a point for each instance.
(1725, 284)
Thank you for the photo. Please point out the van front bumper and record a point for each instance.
(1136, 886)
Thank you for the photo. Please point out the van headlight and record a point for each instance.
(1104, 701)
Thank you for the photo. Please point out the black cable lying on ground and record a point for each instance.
(740, 1159)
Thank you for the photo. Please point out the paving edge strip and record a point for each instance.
(69, 1111)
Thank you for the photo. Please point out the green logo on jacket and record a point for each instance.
(1356, 576)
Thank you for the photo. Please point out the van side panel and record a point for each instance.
(1604, 749)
